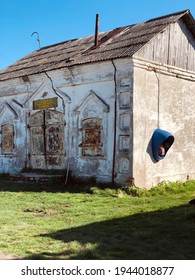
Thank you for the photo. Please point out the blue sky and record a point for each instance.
(61, 20)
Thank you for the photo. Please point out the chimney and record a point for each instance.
(97, 31)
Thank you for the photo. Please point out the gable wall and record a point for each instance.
(175, 94)
(174, 46)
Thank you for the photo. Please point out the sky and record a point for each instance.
(60, 20)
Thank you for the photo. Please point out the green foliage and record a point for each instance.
(166, 187)
(104, 192)
(134, 191)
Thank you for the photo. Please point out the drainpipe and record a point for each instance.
(69, 148)
(63, 104)
(27, 115)
(158, 99)
(115, 123)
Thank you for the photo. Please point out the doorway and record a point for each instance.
(47, 149)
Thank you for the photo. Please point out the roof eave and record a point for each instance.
(190, 21)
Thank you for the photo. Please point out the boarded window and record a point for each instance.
(7, 146)
(91, 142)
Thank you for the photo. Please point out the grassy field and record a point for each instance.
(49, 222)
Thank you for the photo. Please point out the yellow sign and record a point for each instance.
(45, 103)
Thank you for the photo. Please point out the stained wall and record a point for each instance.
(163, 97)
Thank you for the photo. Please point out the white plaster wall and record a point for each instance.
(77, 83)
(72, 86)
(176, 115)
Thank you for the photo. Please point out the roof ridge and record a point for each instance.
(169, 15)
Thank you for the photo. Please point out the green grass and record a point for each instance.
(53, 222)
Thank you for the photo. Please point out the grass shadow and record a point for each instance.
(165, 234)
(10, 186)
(53, 185)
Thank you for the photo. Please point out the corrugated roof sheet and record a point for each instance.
(118, 43)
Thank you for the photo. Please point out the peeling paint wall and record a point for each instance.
(12, 137)
(92, 98)
(78, 132)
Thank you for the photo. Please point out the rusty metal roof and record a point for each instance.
(118, 43)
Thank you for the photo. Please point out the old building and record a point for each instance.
(92, 108)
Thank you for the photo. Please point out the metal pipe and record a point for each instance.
(97, 31)
(52, 85)
(38, 38)
(115, 124)
(158, 99)
(44, 138)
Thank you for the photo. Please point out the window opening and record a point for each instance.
(92, 136)
(7, 145)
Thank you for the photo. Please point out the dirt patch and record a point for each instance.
(42, 213)
(4, 256)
